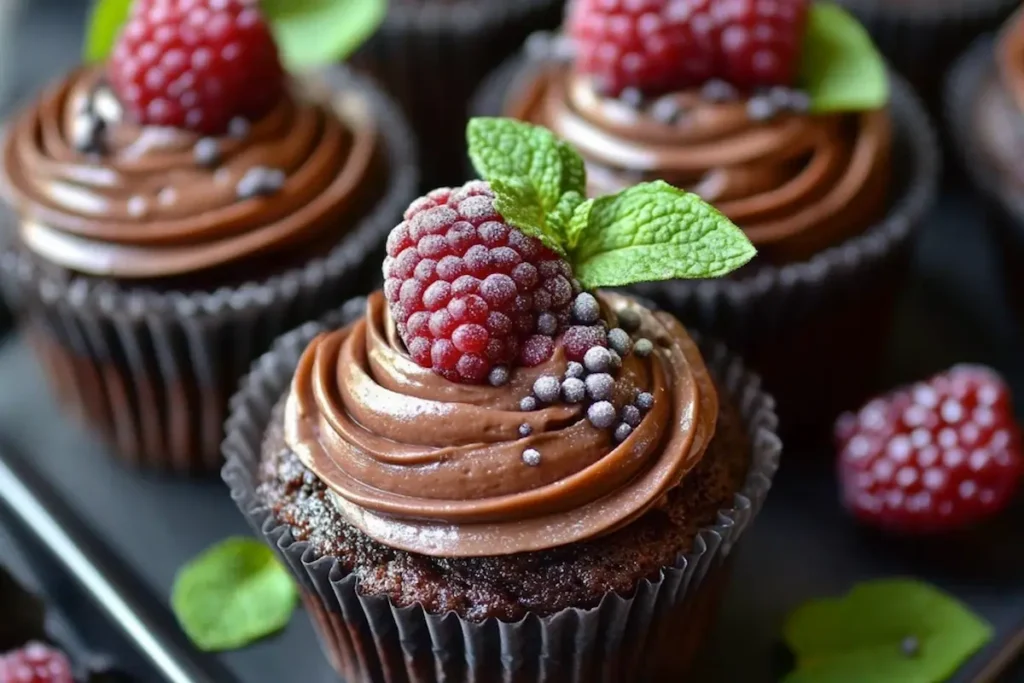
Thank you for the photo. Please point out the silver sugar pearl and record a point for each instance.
(597, 359)
(633, 97)
(761, 108)
(574, 369)
(531, 456)
(643, 348)
(260, 181)
(498, 377)
(717, 90)
(600, 386)
(547, 388)
(585, 309)
(620, 342)
(601, 414)
(622, 432)
(616, 360)
(779, 96)
(574, 390)
(631, 415)
(666, 110)
(528, 404)
(799, 102)
(644, 401)
(629, 319)
(525, 430)
(207, 152)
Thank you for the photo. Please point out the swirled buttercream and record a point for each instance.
(434, 467)
(796, 184)
(144, 205)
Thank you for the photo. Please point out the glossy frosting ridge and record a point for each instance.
(429, 466)
(796, 184)
(145, 207)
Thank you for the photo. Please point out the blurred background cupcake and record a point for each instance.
(921, 38)
(827, 162)
(985, 109)
(171, 213)
(432, 54)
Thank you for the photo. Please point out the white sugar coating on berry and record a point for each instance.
(858, 447)
(983, 416)
(987, 496)
(967, 489)
(1000, 439)
(919, 502)
(906, 477)
(934, 479)
(951, 411)
(925, 395)
(920, 437)
(547, 324)
(872, 416)
(894, 499)
(928, 456)
(979, 459)
(987, 395)
(866, 501)
(947, 438)
(915, 416)
(547, 388)
(498, 289)
(883, 470)
(899, 448)
(953, 458)
(969, 434)
(478, 209)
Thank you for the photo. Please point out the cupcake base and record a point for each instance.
(151, 370)
(648, 634)
(816, 330)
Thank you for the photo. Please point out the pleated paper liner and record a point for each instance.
(815, 330)
(921, 38)
(432, 54)
(152, 371)
(651, 634)
(1004, 201)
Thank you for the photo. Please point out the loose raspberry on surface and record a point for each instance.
(196, 64)
(656, 46)
(936, 456)
(466, 289)
(35, 663)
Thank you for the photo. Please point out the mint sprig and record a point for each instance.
(841, 69)
(233, 594)
(886, 631)
(309, 33)
(649, 232)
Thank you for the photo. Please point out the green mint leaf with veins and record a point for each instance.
(313, 33)
(309, 33)
(560, 219)
(841, 69)
(863, 635)
(517, 201)
(105, 22)
(651, 232)
(233, 594)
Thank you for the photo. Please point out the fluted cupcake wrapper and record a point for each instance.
(649, 635)
(432, 54)
(816, 330)
(922, 37)
(153, 371)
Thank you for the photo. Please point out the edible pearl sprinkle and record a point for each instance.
(207, 152)
(528, 404)
(620, 342)
(260, 181)
(574, 369)
(622, 432)
(597, 359)
(629, 320)
(498, 376)
(531, 456)
(644, 401)
(601, 414)
(643, 348)
(525, 430)
(574, 390)
(547, 388)
(600, 386)
(585, 309)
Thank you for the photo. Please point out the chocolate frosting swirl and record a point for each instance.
(434, 467)
(796, 184)
(144, 206)
(998, 111)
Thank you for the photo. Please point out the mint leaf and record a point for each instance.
(578, 223)
(313, 33)
(105, 22)
(517, 202)
(651, 232)
(560, 218)
(233, 594)
(504, 148)
(860, 636)
(841, 69)
(574, 172)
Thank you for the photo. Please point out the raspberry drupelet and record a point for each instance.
(466, 289)
(196, 64)
(35, 663)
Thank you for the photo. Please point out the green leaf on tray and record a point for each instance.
(105, 22)
(655, 231)
(886, 631)
(309, 33)
(233, 594)
(313, 33)
(841, 69)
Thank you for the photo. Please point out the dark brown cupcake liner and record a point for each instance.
(815, 330)
(921, 38)
(649, 635)
(432, 54)
(153, 371)
(1004, 206)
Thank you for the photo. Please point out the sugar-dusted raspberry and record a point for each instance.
(35, 663)
(196, 64)
(651, 45)
(466, 289)
(761, 42)
(579, 339)
(939, 455)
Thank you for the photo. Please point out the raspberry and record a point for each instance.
(936, 456)
(653, 45)
(656, 46)
(35, 663)
(579, 339)
(196, 64)
(761, 42)
(466, 289)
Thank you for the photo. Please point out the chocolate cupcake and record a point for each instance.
(922, 37)
(828, 181)
(485, 458)
(985, 109)
(432, 54)
(159, 238)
